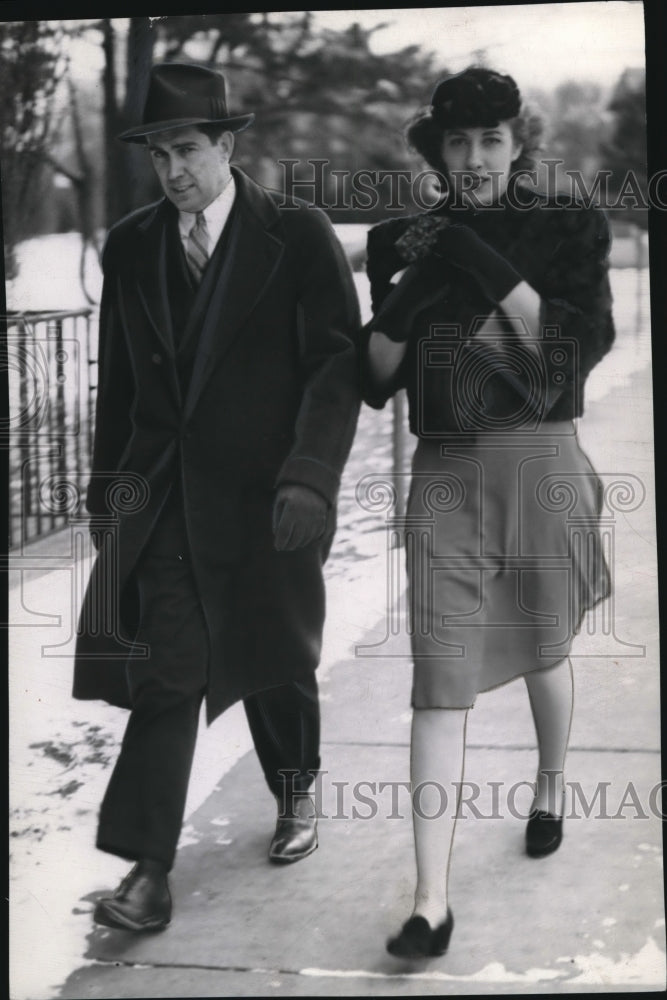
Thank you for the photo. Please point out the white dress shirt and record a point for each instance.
(216, 215)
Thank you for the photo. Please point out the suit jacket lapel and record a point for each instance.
(251, 257)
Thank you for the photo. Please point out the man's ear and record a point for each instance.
(226, 142)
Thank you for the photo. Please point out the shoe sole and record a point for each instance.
(277, 859)
(416, 955)
(536, 852)
(108, 918)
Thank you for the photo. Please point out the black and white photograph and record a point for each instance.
(332, 549)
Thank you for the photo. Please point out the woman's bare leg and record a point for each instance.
(436, 765)
(551, 700)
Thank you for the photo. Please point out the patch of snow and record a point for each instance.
(48, 274)
(646, 968)
(494, 972)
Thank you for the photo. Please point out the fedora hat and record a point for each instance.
(181, 94)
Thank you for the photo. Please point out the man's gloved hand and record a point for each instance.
(461, 246)
(299, 516)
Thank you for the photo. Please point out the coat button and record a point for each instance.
(157, 359)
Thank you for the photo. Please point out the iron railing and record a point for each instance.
(52, 373)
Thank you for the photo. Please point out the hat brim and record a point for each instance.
(140, 133)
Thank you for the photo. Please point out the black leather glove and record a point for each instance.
(462, 247)
(299, 516)
(419, 286)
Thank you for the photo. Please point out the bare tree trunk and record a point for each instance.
(113, 174)
(81, 178)
(83, 186)
(138, 184)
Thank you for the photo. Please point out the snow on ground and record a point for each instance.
(48, 275)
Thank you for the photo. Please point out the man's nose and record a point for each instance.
(173, 168)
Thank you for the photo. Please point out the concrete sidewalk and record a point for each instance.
(589, 918)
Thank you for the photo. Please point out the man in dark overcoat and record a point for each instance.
(227, 404)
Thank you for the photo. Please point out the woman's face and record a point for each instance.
(478, 161)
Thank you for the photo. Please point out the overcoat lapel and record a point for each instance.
(151, 273)
(251, 258)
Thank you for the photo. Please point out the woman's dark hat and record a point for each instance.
(181, 94)
(477, 97)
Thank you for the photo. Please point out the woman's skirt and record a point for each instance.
(504, 557)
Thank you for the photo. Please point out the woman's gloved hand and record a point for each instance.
(437, 236)
(420, 285)
(461, 246)
(420, 237)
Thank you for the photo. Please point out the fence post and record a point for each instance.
(398, 454)
(639, 263)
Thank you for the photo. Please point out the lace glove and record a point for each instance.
(420, 237)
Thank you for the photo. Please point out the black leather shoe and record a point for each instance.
(140, 903)
(417, 940)
(296, 832)
(544, 832)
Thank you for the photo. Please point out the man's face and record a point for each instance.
(191, 169)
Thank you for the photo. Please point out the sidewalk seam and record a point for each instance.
(494, 746)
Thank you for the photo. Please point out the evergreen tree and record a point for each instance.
(624, 152)
(31, 66)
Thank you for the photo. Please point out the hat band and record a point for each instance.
(162, 108)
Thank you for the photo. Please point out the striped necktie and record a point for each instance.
(197, 250)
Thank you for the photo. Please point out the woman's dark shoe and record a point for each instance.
(417, 940)
(544, 832)
(140, 903)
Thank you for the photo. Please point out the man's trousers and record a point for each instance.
(142, 811)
